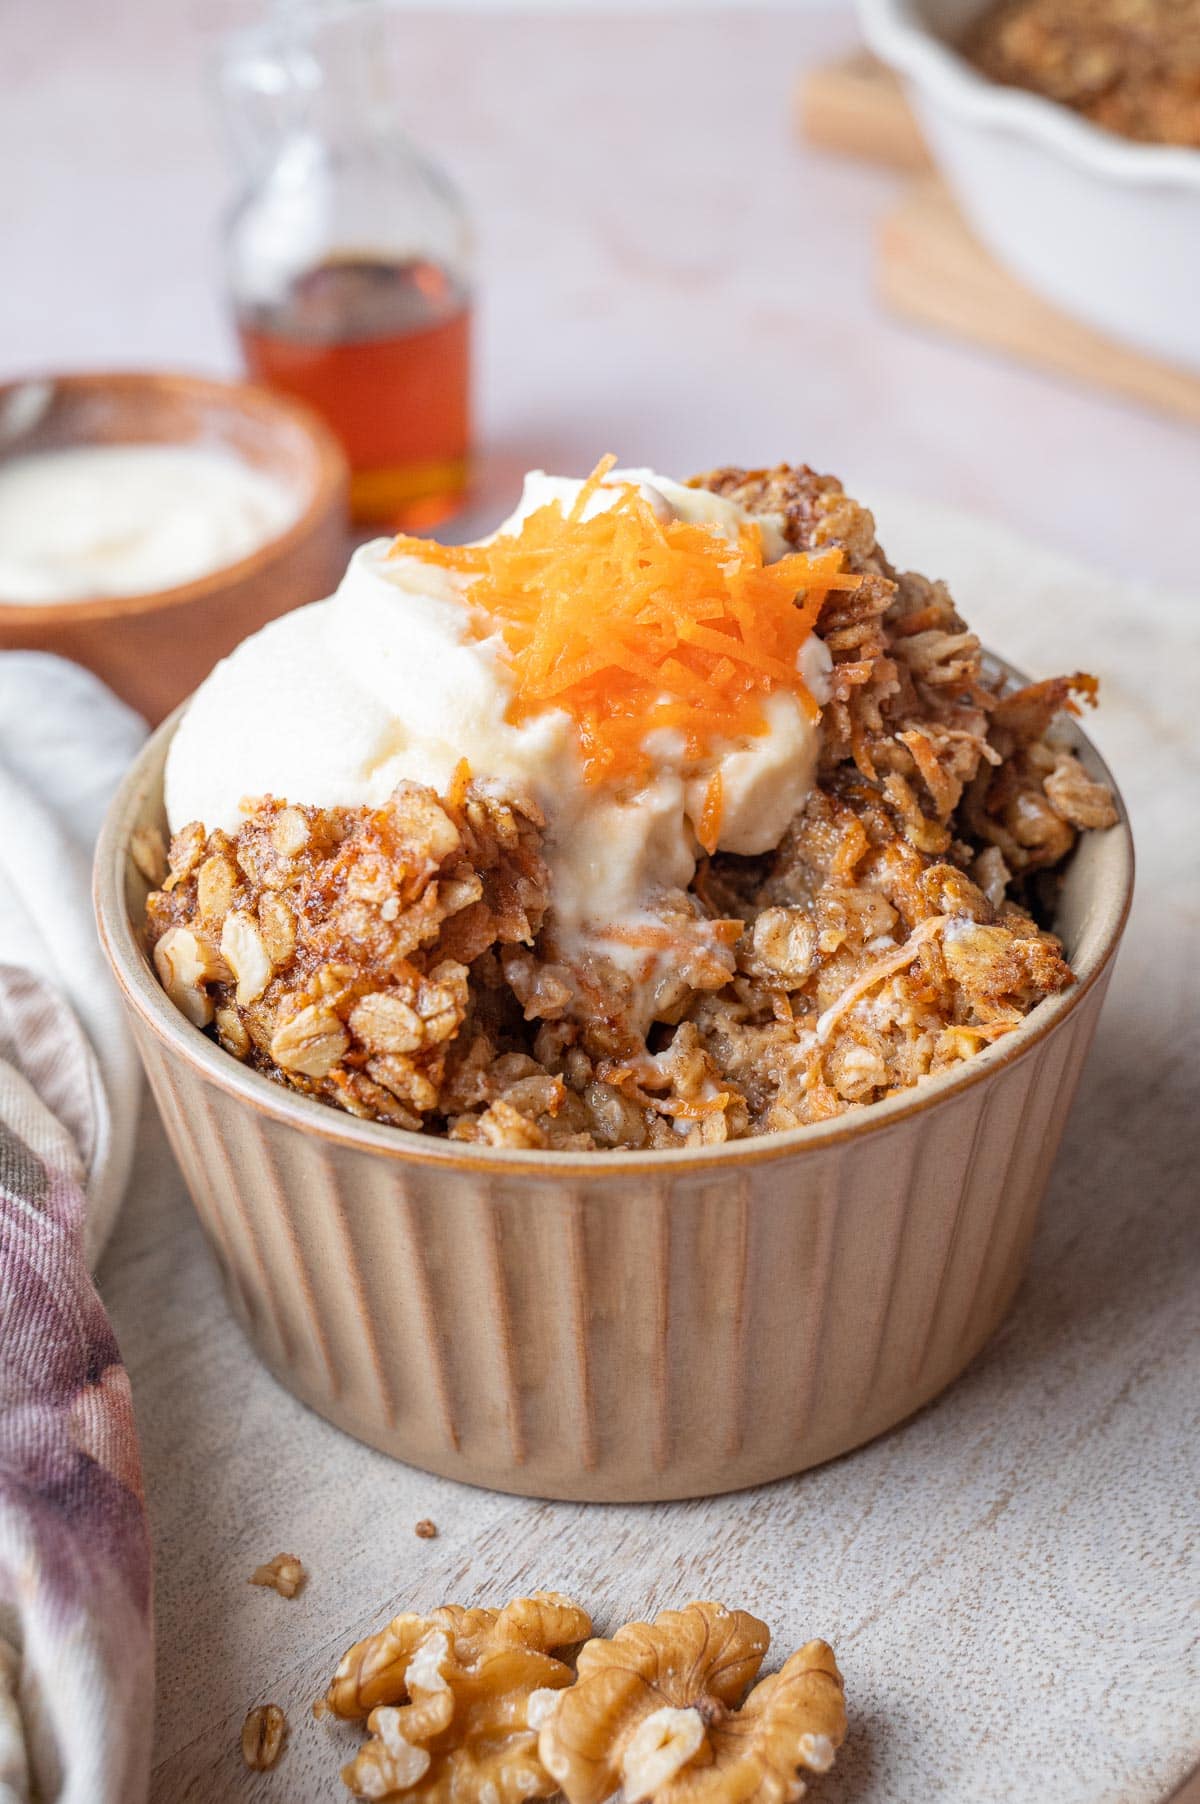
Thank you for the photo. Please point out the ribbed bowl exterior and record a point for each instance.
(620, 1339)
(586, 1327)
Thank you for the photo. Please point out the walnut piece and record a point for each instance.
(245, 952)
(284, 1574)
(262, 1737)
(185, 962)
(655, 1712)
(447, 1697)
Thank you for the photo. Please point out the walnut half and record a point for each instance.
(447, 1700)
(655, 1712)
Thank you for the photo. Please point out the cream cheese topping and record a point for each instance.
(336, 703)
(669, 499)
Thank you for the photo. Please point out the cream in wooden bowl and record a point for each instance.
(689, 1115)
(106, 521)
(148, 522)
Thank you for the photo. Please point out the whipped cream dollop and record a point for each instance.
(112, 520)
(336, 703)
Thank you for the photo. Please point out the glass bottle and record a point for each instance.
(348, 256)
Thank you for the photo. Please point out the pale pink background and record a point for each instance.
(665, 272)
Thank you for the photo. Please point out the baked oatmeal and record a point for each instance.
(668, 815)
(1132, 66)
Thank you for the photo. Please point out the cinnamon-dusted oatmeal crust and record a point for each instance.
(403, 964)
(330, 948)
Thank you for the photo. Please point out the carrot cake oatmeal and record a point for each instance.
(1132, 66)
(667, 815)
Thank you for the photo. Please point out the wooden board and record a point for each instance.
(931, 268)
(856, 105)
(1189, 1791)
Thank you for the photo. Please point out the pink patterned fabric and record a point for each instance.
(76, 1643)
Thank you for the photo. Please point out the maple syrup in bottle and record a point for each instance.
(382, 349)
(347, 255)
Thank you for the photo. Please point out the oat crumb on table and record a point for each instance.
(284, 1574)
(262, 1737)
(425, 1529)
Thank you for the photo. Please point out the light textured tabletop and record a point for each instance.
(1010, 1580)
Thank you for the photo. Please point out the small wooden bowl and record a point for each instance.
(154, 648)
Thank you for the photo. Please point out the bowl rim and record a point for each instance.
(331, 480)
(896, 33)
(180, 1039)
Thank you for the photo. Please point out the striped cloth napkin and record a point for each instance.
(76, 1644)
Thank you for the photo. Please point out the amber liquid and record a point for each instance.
(382, 351)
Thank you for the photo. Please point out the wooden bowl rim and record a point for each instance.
(331, 479)
(145, 997)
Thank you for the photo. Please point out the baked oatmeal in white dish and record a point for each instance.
(668, 813)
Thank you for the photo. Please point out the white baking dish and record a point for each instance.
(1106, 228)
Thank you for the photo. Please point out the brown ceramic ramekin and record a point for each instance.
(619, 1326)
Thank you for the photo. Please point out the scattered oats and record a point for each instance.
(278, 925)
(386, 1023)
(262, 1737)
(232, 1033)
(284, 1574)
(311, 1043)
(216, 881)
(289, 832)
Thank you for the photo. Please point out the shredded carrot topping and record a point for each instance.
(633, 624)
(708, 828)
(459, 783)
